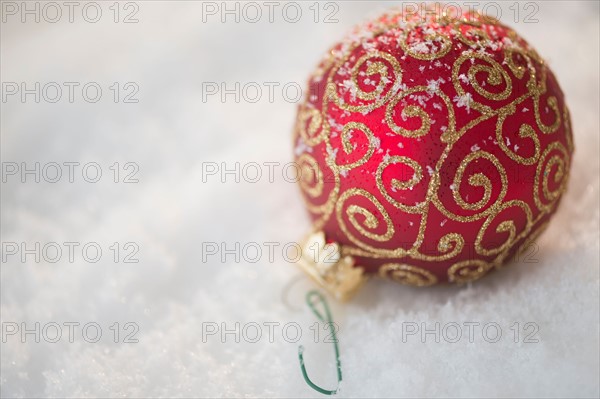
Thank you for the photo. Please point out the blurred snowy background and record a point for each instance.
(173, 298)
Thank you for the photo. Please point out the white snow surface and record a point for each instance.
(173, 296)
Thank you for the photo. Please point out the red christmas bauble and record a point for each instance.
(432, 148)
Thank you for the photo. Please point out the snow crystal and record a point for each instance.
(464, 101)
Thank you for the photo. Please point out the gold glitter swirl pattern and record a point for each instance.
(473, 37)
(568, 128)
(553, 105)
(370, 99)
(349, 148)
(496, 76)
(408, 275)
(313, 129)
(311, 176)
(450, 245)
(432, 45)
(468, 270)
(475, 180)
(507, 226)
(312, 180)
(509, 59)
(370, 220)
(525, 132)
(413, 111)
(396, 184)
(553, 166)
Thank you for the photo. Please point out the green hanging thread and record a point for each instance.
(320, 300)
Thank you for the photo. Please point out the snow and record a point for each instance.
(171, 294)
(463, 101)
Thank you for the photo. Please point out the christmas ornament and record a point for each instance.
(432, 148)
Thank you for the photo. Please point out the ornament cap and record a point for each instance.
(324, 263)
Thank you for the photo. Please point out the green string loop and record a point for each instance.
(314, 299)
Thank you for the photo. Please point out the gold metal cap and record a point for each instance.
(324, 263)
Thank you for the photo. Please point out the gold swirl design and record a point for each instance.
(370, 220)
(311, 176)
(568, 128)
(542, 176)
(468, 270)
(525, 131)
(530, 58)
(348, 148)
(473, 37)
(400, 184)
(410, 111)
(373, 68)
(537, 81)
(537, 89)
(450, 245)
(415, 50)
(517, 70)
(553, 104)
(407, 274)
(312, 180)
(507, 226)
(496, 76)
(476, 180)
(313, 129)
